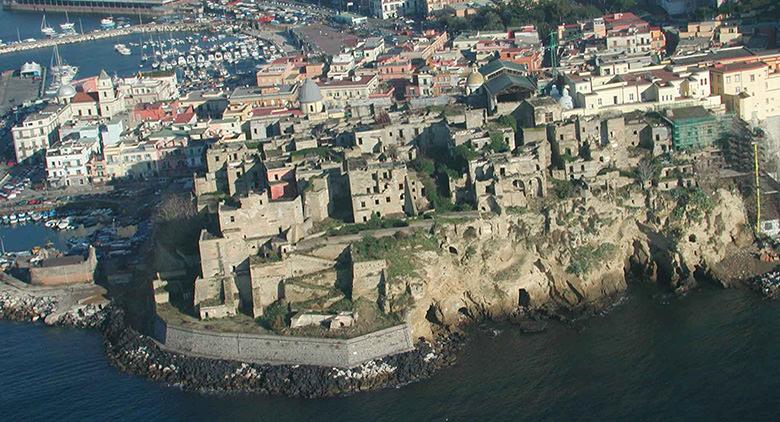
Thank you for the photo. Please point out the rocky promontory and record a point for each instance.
(569, 257)
(562, 260)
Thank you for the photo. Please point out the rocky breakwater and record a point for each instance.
(17, 305)
(767, 284)
(565, 258)
(140, 355)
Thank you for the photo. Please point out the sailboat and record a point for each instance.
(61, 74)
(46, 29)
(68, 26)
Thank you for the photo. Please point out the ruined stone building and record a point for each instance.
(500, 181)
(231, 168)
(384, 189)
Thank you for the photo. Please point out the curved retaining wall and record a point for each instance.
(283, 350)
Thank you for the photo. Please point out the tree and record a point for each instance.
(645, 172)
(706, 175)
(175, 207)
(508, 120)
(176, 223)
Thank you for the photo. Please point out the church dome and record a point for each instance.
(310, 92)
(66, 91)
(475, 79)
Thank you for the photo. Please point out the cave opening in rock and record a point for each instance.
(453, 250)
(524, 299)
(692, 238)
(432, 315)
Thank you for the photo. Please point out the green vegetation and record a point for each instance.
(692, 205)
(436, 167)
(585, 257)
(177, 224)
(563, 188)
(516, 210)
(323, 152)
(343, 305)
(764, 10)
(497, 143)
(267, 258)
(399, 251)
(373, 224)
(275, 317)
(508, 120)
(545, 14)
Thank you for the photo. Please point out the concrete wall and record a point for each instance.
(82, 272)
(282, 350)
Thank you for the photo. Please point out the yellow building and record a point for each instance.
(747, 89)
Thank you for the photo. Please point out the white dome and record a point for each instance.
(66, 91)
(554, 92)
(566, 102)
(310, 92)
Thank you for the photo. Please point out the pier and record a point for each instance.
(103, 34)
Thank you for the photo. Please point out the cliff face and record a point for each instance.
(573, 255)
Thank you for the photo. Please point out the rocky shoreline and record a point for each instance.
(138, 354)
(766, 284)
(33, 308)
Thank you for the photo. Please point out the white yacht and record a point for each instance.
(46, 29)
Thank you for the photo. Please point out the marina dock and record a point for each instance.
(103, 34)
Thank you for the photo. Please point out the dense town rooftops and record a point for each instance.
(738, 67)
(713, 56)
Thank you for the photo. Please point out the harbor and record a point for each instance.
(32, 44)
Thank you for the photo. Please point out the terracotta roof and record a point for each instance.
(738, 67)
(84, 97)
(271, 111)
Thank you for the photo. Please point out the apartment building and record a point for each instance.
(749, 90)
(67, 161)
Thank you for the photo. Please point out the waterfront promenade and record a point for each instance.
(102, 34)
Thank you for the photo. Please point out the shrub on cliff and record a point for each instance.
(275, 317)
(585, 257)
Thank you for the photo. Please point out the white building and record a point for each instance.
(392, 9)
(38, 130)
(66, 162)
(341, 65)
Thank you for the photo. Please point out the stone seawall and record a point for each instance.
(283, 350)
